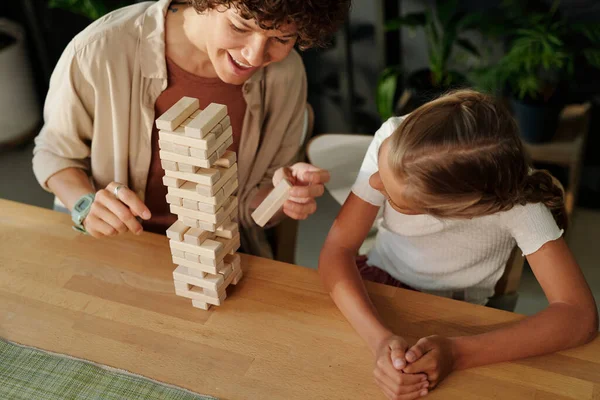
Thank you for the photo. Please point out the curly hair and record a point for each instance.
(315, 20)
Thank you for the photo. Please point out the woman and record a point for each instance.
(123, 71)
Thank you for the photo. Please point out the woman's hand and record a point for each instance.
(308, 182)
(434, 356)
(110, 215)
(389, 361)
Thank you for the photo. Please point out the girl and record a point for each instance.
(130, 66)
(458, 194)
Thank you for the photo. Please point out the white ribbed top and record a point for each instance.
(440, 256)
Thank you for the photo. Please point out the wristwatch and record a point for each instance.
(81, 209)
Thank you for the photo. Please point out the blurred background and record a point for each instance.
(541, 57)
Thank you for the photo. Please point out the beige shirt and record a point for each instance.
(99, 110)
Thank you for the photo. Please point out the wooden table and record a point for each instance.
(277, 336)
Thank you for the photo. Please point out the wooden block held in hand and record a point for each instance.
(272, 203)
(176, 231)
(206, 120)
(178, 113)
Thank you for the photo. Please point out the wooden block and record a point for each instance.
(180, 285)
(177, 113)
(174, 148)
(196, 293)
(163, 145)
(196, 273)
(227, 230)
(225, 123)
(231, 186)
(178, 137)
(199, 153)
(237, 278)
(228, 246)
(188, 204)
(206, 120)
(171, 199)
(226, 174)
(224, 147)
(204, 176)
(198, 215)
(221, 126)
(198, 162)
(169, 165)
(212, 150)
(208, 208)
(272, 203)
(191, 222)
(234, 260)
(188, 191)
(227, 159)
(193, 257)
(207, 226)
(210, 281)
(200, 304)
(192, 169)
(171, 181)
(176, 231)
(204, 267)
(209, 248)
(177, 253)
(196, 236)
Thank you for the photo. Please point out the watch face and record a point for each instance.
(82, 205)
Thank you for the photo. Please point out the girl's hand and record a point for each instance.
(389, 361)
(434, 356)
(308, 182)
(110, 215)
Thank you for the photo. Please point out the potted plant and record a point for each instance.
(92, 9)
(542, 49)
(443, 25)
(20, 114)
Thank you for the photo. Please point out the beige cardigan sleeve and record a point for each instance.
(64, 140)
(286, 116)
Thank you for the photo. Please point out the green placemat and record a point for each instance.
(27, 373)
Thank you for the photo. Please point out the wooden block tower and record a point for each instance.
(201, 179)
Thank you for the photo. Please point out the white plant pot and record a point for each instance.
(19, 106)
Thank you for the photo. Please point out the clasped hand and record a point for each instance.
(405, 373)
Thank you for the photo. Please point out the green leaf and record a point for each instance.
(470, 21)
(386, 91)
(593, 57)
(92, 9)
(589, 30)
(446, 9)
(410, 20)
(466, 44)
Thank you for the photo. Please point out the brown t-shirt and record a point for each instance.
(206, 90)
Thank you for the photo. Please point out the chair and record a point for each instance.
(286, 232)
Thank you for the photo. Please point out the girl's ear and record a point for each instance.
(375, 181)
